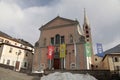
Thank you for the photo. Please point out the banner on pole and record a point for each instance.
(62, 50)
(88, 49)
(50, 52)
(99, 48)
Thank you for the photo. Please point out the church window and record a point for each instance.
(57, 39)
(52, 40)
(62, 39)
(44, 42)
(71, 38)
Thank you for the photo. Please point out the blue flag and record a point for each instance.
(99, 48)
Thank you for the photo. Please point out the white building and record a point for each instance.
(15, 52)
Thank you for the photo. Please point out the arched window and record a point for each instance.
(71, 38)
(44, 42)
(62, 39)
(57, 39)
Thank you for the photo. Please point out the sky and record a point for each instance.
(23, 18)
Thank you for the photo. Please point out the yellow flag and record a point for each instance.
(62, 50)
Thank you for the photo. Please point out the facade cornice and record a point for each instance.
(15, 46)
(58, 45)
(56, 27)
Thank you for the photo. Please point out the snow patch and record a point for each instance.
(67, 76)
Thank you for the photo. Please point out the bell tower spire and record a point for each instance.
(86, 28)
(88, 39)
(86, 20)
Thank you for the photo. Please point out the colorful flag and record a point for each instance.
(62, 50)
(88, 49)
(99, 48)
(50, 52)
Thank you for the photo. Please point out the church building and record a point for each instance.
(62, 45)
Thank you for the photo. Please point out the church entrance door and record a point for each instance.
(56, 63)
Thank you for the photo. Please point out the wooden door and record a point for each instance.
(17, 65)
(56, 63)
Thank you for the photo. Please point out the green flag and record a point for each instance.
(88, 49)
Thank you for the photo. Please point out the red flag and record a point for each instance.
(50, 52)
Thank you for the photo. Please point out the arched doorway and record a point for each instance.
(56, 64)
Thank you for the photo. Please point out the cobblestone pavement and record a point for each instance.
(6, 74)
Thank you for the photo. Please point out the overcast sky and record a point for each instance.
(23, 18)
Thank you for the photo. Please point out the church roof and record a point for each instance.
(57, 22)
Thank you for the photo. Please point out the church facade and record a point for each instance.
(57, 32)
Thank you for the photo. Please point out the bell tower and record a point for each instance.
(88, 39)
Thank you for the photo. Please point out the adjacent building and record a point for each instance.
(97, 62)
(15, 52)
(109, 60)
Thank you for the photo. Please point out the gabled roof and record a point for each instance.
(2, 34)
(111, 54)
(115, 49)
(58, 21)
